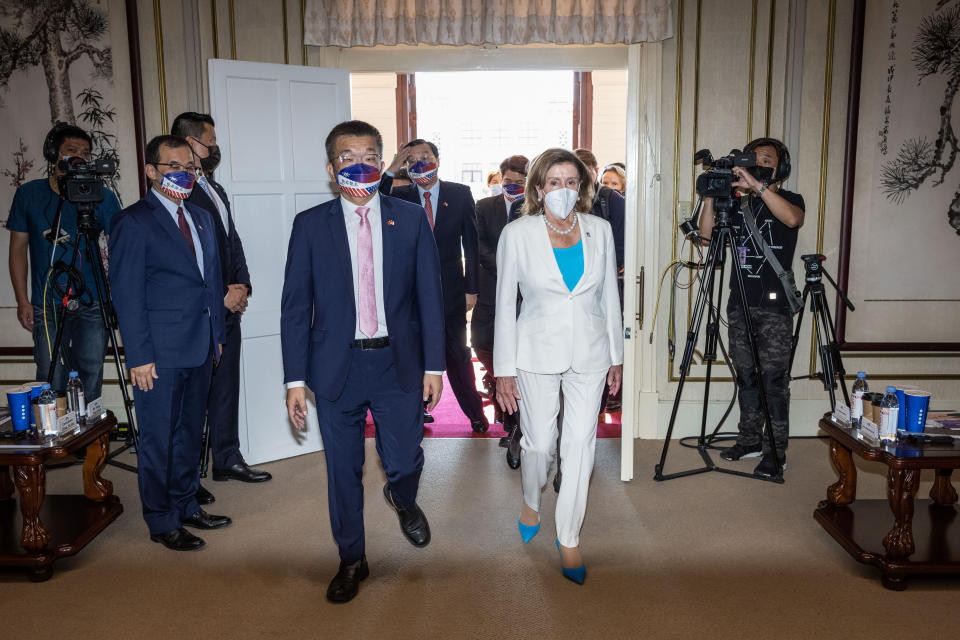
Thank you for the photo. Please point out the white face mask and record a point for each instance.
(561, 202)
(496, 189)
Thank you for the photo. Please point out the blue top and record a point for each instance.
(570, 261)
(33, 211)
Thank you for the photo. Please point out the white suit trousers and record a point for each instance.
(539, 406)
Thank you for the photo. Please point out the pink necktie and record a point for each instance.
(367, 304)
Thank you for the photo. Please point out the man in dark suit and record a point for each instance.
(452, 215)
(492, 216)
(361, 324)
(223, 402)
(165, 277)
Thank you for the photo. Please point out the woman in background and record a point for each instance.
(614, 177)
(568, 334)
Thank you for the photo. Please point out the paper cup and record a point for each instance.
(901, 404)
(19, 401)
(35, 388)
(917, 403)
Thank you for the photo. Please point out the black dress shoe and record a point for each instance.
(480, 425)
(346, 583)
(240, 471)
(427, 418)
(557, 479)
(504, 441)
(178, 539)
(204, 497)
(203, 520)
(413, 522)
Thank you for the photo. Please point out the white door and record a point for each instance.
(272, 120)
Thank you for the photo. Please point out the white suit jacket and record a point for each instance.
(556, 329)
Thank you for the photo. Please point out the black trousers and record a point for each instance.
(223, 401)
(460, 372)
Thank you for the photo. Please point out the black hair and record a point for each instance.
(152, 154)
(191, 124)
(516, 163)
(419, 141)
(59, 134)
(783, 169)
(351, 128)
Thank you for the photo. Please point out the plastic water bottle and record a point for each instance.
(860, 387)
(888, 415)
(75, 399)
(48, 411)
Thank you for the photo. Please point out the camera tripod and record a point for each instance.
(721, 240)
(87, 233)
(823, 327)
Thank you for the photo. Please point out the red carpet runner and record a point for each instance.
(450, 422)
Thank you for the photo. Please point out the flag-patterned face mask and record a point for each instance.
(359, 180)
(422, 172)
(512, 191)
(178, 184)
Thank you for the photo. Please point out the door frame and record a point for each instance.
(644, 72)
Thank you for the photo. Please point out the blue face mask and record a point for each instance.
(178, 184)
(359, 180)
(512, 191)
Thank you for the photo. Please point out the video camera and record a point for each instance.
(82, 181)
(717, 181)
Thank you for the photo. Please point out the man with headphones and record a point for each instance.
(32, 221)
(778, 215)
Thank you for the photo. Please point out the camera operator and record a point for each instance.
(33, 218)
(779, 214)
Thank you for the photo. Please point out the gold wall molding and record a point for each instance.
(233, 31)
(213, 22)
(161, 73)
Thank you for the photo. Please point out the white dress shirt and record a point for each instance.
(172, 208)
(217, 202)
(352, 221)
(434, 199)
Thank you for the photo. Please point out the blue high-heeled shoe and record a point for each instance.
(577, 574)
(527, 532)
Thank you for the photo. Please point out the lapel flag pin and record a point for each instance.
(588, 234)
(444, 203)
(391, 223)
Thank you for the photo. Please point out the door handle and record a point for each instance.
(640, 284)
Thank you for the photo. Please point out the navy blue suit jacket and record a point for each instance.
(233, 262)
(456, 226)
(168, 312)
(318, 315)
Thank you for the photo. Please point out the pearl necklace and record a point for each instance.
(556, 230)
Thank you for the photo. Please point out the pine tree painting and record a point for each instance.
(54, 34)
(935, 52)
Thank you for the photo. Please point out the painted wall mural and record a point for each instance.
(56, 65)
(923, 162)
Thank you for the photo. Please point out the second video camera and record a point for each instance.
(82, 181)
(718, 178)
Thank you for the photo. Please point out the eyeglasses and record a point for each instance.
(176, 166)
(369, 158)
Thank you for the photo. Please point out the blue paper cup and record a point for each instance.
(19, 401)
(34, 388)
(916, 405)
(902, 413)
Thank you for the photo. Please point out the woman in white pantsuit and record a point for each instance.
(568, 334)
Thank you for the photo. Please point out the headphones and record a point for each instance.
(60, 132)
(783, 156)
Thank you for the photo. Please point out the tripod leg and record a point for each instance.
(107, 315)
(796, 333)
(706, 284)
(841, 372)
(826, 356)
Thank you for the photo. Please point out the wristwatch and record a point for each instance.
(762, 189)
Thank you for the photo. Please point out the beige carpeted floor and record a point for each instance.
(708, 556)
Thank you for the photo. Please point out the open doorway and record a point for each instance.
(476, 120)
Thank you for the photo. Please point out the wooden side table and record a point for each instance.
(914, 540)
(44, 527)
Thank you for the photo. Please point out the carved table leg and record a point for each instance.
(902, 487)
(844, 490)
(6, 484)
(942, 491)
(31, 483)
(94, 486)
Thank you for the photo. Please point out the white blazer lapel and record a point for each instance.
(541, 239)
(588, 237)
